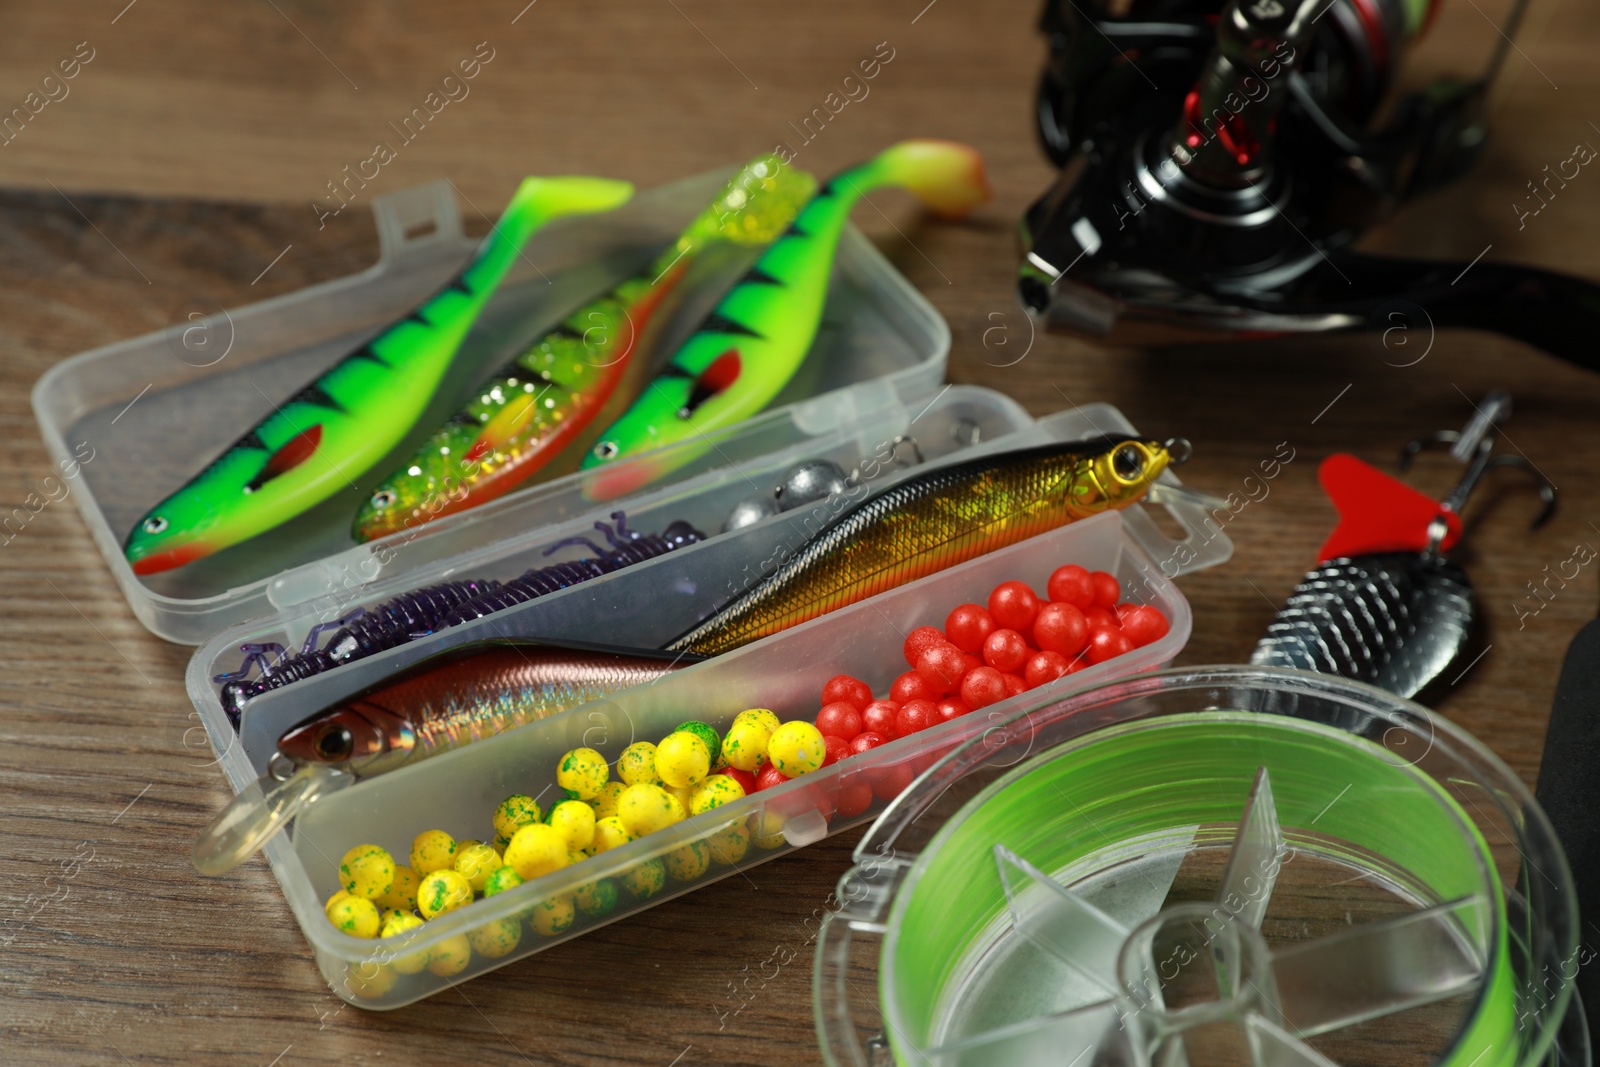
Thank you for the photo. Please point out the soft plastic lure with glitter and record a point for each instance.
(434, 706)
(754, 341)
(539, 402)
(933, 521)
(346, 420)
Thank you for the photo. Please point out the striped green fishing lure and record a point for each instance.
(341, 424)
(754, 341)
(539, 402)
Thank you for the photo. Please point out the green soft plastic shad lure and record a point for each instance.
(341, 424)
(533, 407)
(752, 344)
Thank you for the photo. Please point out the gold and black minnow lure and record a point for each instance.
(934, 521)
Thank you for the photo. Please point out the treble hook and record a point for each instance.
(1474, 446)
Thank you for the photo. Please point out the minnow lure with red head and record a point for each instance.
(346, 420)
(754, 341)
(538, 403)
(440, 704)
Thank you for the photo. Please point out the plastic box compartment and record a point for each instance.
(154, 408)
(458, 791)
(650, 603)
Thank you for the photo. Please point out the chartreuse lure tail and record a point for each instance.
(748, 348)
(535, 405)
(342, 423)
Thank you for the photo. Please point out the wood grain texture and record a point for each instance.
(186, 158)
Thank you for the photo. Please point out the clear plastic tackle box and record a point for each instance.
(871, 392)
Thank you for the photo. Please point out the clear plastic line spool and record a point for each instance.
(1235, 865)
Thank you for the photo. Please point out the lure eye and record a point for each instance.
(155, 524)
(1128, 462)
(335, 743)
(384, 498)
(606, 450)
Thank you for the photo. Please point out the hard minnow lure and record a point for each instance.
(347, 419)
(538, 403)
(934, 521)
(364, 632)
(1388, 608)
(748, 348)
(439, 704)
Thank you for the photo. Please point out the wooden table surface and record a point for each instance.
(183, 165)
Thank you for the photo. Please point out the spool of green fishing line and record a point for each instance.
(1163, 880)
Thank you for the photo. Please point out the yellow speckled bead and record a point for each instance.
(766, 830)
(396, 923)
(402, 892)
(705, 733)
(689, 862)
(496, 939)
(574, 821)
(682, 759)
(537, 850)
(442, 891)
(339, 895)
(583, 771)
(714, 792)
(367, 871)
(760, 716)
(683, 796)
(433, 850)
(729, 845)
(605, 801)
(597, 898)
(553, 916)
(450, 956)
(637, 763)
(745, 745)
(501, 880)
(609, 833)
(795, 748)
(645, 808)
(515, 812)
(354, 915)
(476, 863)
(645, 880)
(369, 980)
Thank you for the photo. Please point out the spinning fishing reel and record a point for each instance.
(1217, 166)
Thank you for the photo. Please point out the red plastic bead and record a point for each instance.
(912, 686)
(769, 777)
(951, 707)
(890, 782)
(1014, 684)
(1122, 611)
(878, 720)
(1013, 605)
(839, 720)
(916, 715)
(918, 641)
(853, 798)
(1061, 628)
(848, 690)
(1043, 667)
(942, 666)
(1144, 625)
(867, 740)
(1107, 590)
(834, 749)
(1100, 618)
(1107, 644)
(1071, 585)
(1005, 650)
(983, 687)
(967, 626)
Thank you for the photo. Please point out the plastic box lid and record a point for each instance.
(154, 408)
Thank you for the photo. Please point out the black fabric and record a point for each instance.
(1569, 792)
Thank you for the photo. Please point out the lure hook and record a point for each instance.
(1179, 450)
(1474, 445)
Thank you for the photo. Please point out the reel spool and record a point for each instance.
(1221, 866)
